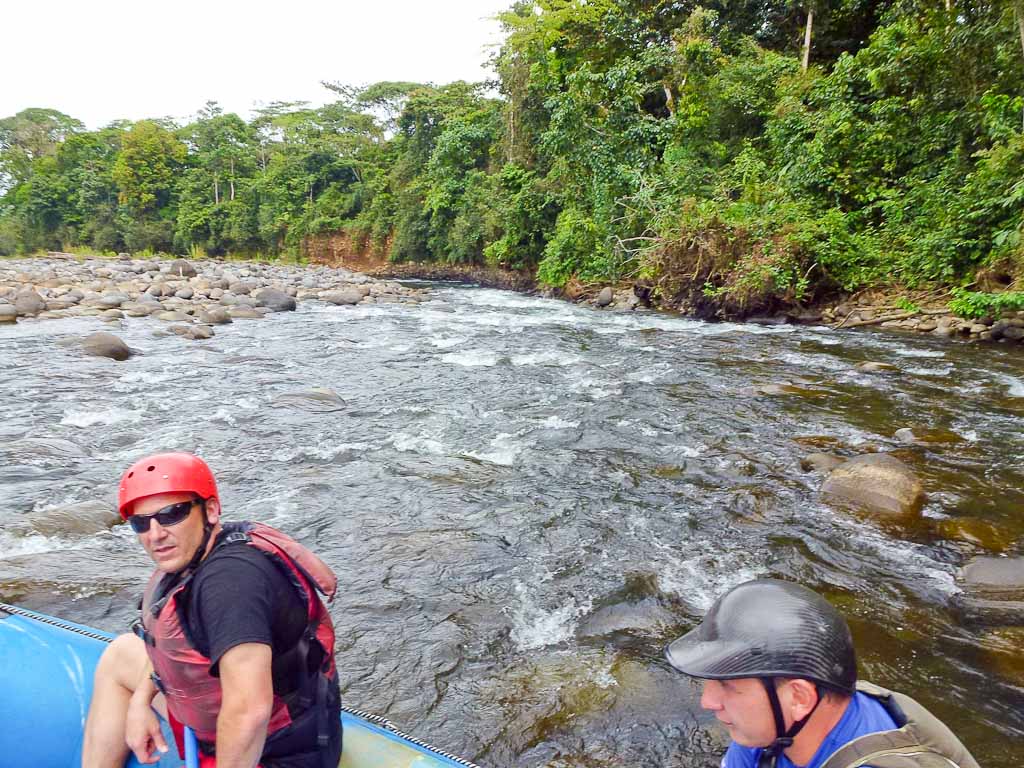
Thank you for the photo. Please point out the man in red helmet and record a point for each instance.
(234, 640)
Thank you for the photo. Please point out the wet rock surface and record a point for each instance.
(876, 483)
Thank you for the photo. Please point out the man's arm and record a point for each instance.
(248, 698)
(142, 728)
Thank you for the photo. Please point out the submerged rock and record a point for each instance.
(317, 400)
(106, 345)
(877, 483)
(820, 462)
(869, 366)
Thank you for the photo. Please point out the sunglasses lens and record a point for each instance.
(169, 515)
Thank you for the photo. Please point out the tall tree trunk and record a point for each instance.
(511, 129)
(216, 191)
(807, 38)
(232, 178)
(1018, 11)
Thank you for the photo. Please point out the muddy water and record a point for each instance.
(526, 500)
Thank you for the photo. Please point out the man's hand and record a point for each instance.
(142, 730)
(248, 699)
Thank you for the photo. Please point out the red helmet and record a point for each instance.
(165, 473)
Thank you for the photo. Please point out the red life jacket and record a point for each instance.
(193, 694)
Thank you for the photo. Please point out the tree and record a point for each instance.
(146, 167)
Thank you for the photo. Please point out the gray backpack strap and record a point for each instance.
(921, 740)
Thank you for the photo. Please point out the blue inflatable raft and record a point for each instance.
(46, 670)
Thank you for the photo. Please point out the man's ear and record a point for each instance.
(803, 695)
(212, 511)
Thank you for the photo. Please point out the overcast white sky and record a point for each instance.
(100, 60)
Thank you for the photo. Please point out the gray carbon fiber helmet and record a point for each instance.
(768, 628)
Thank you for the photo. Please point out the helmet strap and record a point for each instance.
(783, 737)
(201, 549)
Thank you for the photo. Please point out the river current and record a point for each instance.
(525, 500)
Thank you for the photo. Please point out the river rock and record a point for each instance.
(877, 483)
(112, 300)
(183, 268)
(215, 316)
(194, 332)
(993, 591)
(29, 303)
(172, 316)
(820, 462)
(274, 300)
(112, 315)
(869, 366)
(106, 345)
(346, 296)
(83, 518)
(604, 298)
(8, 313)
(185, 293)
(244, 313)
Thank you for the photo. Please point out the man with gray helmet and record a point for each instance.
(780, 674)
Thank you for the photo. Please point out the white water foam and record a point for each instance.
(505, 452)
(911, 352)
(447, 342)
(557, 422)
(12, 545)
(545, 358)
(702, 579)
(418, 444)
(535, 627)
(472, 358)
(821, 362)
(77, 418)
(1016, 386)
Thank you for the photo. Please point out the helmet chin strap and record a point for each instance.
(783, 737)
(201, 549)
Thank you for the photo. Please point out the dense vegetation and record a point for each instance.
(705, 148)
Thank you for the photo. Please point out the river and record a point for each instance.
(525, 500)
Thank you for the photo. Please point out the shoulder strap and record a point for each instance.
(921, 740)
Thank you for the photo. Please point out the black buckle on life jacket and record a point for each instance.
(236, 536)
(158, 682)
(139, 630)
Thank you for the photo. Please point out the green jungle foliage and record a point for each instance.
(678, 143)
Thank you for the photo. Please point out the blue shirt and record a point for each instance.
(863, 715)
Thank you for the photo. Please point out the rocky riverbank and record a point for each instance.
(190, 296)
(913, 312)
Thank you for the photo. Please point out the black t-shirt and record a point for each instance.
(239, 595)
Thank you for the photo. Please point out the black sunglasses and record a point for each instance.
(170, 515)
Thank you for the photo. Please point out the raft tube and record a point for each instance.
(46, 668)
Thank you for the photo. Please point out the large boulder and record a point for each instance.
(344, 296)
(106, 345)
(993, 591)
(81, 518)
(8, 313)
(29, 303)
(183, 268)
(274, 300)
(876, 483)
(604, 298)
(215, 316)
